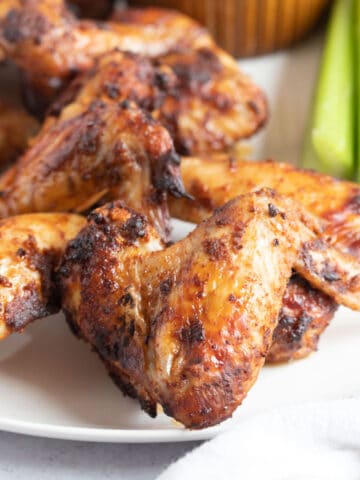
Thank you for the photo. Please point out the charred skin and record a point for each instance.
(304, 315)
(210, 95)
(212, 105)
(31, 247)
(200, 96)
(87, 154)
(187, 326)
(51, 45)
(214, 180)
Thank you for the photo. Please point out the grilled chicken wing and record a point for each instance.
(30, 248)
(200, 96)
(51, 44)
(114, 150)
(16, 128)
(209, 92)
(186, 326)
(213, 181)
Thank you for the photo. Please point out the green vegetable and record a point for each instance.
(329, 145)
(357, 86)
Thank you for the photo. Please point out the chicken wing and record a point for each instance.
(200, 96)
(51, 44)
(114, 150)
(210, 92)
(186, 326)
(30, 248)
(214, 180)
(16, 128)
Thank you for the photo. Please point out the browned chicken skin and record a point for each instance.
(214, 180)
(186, 326)
(30, 249)
(200, 95)
(16, 128)
(30, 185)
(197, 86)
(51, 44)
(112, 150)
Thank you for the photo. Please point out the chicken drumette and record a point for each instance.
(189, 326)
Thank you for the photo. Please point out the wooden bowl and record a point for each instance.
(250, 27)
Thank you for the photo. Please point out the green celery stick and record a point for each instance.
(357, 83)
(329, 145)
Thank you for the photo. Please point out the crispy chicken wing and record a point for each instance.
(213, 181)
(16, 128)
(200, 96)
(209, 92)
(113, 150)
(186, 326)
(30, 248)
(213, 104)
(50, 44)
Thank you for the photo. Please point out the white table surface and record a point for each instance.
(27, 458)
(21, 457)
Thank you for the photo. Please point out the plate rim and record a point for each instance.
(107, 435)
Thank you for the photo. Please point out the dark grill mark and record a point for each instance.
(125, 104)
(131, 329)
(134, 227)
(89, 140)
(194, 333)
(165, 286)
(273, 210)
(330, 275)
(291, 329)
(127, 299)
(112, 90)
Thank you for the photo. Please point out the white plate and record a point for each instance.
(52, 385)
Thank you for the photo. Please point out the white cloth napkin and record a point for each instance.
(310, 441)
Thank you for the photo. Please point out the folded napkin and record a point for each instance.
(310, 441)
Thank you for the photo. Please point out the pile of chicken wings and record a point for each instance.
(137, 121)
